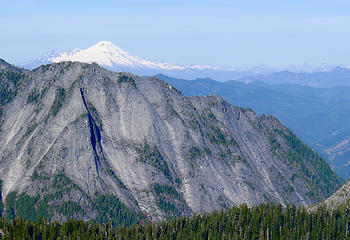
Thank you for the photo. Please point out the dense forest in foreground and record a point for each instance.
(265, 221)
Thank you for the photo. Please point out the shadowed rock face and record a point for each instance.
(74, 132)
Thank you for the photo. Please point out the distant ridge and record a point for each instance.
(106, 54)
(336, 77)
(112, 57)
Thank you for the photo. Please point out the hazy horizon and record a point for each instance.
(221, 33)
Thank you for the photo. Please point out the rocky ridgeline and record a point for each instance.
(78, 141)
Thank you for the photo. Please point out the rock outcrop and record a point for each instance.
(78, 141)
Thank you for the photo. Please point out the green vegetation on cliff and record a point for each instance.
(106, 208)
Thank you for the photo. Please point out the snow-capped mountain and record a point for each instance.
(106, 54)
(47, 58)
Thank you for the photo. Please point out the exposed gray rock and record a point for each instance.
(340, 199)
(138, 138)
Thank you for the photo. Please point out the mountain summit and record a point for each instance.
(78, 141)
(108, 55)
(105, 53)
(112, 57)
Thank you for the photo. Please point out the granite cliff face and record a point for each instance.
(79, 141)
(339, 200)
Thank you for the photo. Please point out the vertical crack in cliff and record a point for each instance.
(95, 134)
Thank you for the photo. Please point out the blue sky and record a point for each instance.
(224, 33)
